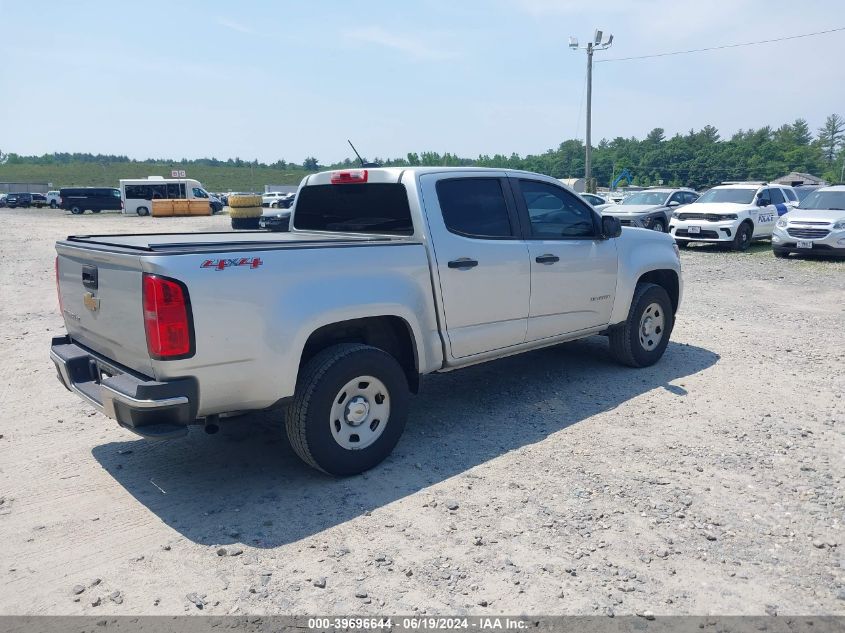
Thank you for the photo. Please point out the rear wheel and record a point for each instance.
(349, 409)
(77, 210)
(142, 211)
(641, 340)
(742, 239)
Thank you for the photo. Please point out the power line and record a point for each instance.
(717, 48)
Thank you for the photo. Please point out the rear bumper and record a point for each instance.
(152, 409)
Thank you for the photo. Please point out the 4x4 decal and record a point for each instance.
(222, 264)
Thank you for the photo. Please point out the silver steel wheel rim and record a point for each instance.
(652, 326)
(360, 413)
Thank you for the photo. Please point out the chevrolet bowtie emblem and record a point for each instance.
(91, 302)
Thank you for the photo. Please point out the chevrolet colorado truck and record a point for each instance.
(387, 274)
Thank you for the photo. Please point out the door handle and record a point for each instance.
(464, 263)
(547, 259)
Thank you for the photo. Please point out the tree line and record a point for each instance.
(698, 159)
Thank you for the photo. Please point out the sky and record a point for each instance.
(273, 80)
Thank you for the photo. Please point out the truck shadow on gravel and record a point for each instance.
(245, 484)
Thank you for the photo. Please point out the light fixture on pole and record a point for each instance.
(598, 43)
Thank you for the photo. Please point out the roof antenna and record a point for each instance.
(361, 160)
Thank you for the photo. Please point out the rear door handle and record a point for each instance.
(464, 263)
(547, 259)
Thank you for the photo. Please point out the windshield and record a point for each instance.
(652, 198)
(803, 192)
(737, 196)
(824, 200)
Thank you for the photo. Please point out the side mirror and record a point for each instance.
(763, 202)
(610, 227)
(673, 203)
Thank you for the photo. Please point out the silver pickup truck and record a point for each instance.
(387, 274)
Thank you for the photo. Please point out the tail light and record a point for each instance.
(349, 177)
(58, 288)
(167, 318)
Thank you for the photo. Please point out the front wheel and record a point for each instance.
(781, 254)
(682, 243)
(349, 409)
(641, 340)
(742, 239)
(53, 204)
(659, 225)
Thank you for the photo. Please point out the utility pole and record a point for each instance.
(591, 47)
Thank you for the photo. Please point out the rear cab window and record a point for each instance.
(354, 208)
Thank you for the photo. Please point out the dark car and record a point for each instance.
(275, 220)
(38, 200)
(18, 200)
(78, 200)
(216, 204)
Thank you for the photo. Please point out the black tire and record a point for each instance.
(142, 211)
(53, 204)
(308, 417)
(742, 239)
(245, 224)
(77, 210)
(95, 210)
(780, 254)
(625, 339)
(659, 225)
(682, 243)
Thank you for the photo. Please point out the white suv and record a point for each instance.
(734, 214)
(817, 226)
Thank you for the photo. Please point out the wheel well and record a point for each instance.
(389, 333)
(668, 280)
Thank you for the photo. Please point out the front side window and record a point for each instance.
(678, 197)
(554, 212)
(199, 193)
(474, 207)
(789, 193)
(776, 196)
(765, 197)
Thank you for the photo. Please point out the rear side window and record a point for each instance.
(790, 194)
(354, 208)
(474, 207)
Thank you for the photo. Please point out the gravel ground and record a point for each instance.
(554, 482)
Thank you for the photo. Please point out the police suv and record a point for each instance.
(734, 214)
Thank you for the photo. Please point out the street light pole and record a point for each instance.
(597, 44)
(588, 155)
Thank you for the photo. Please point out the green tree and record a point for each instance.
(310, 164)
(831, 136)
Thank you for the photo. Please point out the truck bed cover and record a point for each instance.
(181, 243)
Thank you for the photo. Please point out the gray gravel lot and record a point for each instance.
(554, 482)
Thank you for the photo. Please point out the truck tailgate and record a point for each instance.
(101, 298)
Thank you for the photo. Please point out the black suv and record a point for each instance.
(14, 200)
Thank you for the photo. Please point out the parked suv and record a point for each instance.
(734, 214)
(816, 226)
(15, 200)
(38, 200)
(650, 208)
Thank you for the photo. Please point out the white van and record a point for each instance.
(139, 193)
